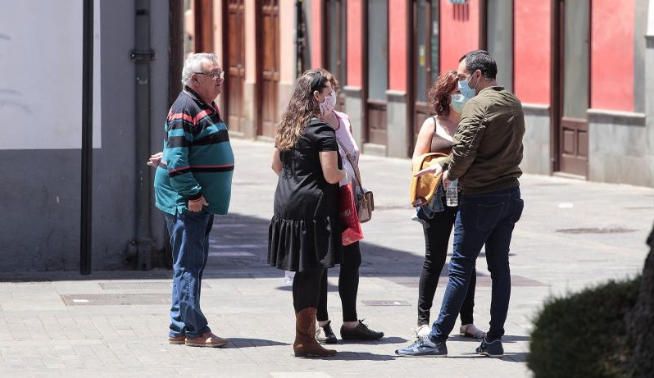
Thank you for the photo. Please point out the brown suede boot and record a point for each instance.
(305, 344)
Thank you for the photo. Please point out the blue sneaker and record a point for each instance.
(423, 347)
(491, 348)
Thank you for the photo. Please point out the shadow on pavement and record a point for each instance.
(384, 340)
(358, 356)
(238, 343)
(239, 249)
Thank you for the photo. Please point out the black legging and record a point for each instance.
(437, 235)
(306, 288)
(348, 285)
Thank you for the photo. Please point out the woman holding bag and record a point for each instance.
(348, 279)
(436, 135)
(305, 233)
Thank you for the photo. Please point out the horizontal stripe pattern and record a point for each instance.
(201, 168)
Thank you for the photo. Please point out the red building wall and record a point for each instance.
(354, 43)
(316, 33)
(397, 45)
(532, 51)
(612, 55)
(459, 31)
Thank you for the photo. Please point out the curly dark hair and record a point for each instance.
(439, 93)
(301, 108)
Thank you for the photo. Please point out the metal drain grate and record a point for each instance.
(595, 230)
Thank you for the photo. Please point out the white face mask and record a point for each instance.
(328, 105)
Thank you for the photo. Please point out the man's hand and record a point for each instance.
(446, 181)
(196, 205)
(434, 170)
(154, 159)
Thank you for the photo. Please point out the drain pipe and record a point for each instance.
(142, 55)
(86, 216)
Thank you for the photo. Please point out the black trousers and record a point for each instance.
(437, 235)
(348, 285)
(306, 288)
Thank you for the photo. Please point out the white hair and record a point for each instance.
(193, 63)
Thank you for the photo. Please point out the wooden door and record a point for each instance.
(336, 44)
(269, 67)
(203, 26)
(572, 90)
(425, 58)
(235, 63)
(376, 70)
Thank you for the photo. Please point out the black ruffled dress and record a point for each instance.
(304, 232)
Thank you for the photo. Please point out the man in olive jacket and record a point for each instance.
(485, 160)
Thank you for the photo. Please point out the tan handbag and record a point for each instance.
(366, 203)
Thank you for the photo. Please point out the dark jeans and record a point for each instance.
(189, 241)
(306, 288)
(348, 285)
(437, 235)
(485, 219)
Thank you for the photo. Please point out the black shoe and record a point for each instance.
(360, 332)
(325, 334)
(491, 348)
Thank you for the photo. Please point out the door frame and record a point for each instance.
(412, 77)
(365, 93)
(225, 53)
(203, 25)
(557, 82)
(258, 88)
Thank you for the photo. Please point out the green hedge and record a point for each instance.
(584, 334)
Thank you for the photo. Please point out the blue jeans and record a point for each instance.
(189, 240)
(483, 219)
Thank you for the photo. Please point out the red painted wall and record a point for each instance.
(316, 33)
(397, 45)
(612, 55)
(459, 31)
(354, 43)
(532, 51)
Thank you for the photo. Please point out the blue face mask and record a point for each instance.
(457, 101)
(466, 91)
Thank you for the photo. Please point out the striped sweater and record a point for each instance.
(197, 157)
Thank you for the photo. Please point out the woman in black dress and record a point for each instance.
(304, 234)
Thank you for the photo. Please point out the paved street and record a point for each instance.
(572, 234)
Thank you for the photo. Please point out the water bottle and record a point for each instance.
(452, 194)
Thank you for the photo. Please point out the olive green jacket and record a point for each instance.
(487, 147)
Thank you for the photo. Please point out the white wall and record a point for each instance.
(41, 74)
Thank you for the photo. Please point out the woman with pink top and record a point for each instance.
(348, 279)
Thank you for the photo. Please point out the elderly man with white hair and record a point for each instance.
(192, 183)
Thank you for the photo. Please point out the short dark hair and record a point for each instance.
(482, 61)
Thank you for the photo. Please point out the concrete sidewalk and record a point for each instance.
(572, 234)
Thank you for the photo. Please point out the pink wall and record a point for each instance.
(354, 43)
(532, 51)
(612, 55)
(459, 31)
(397, 45)
(316, 33)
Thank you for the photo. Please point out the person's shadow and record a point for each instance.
(357, 356)
(239, 342)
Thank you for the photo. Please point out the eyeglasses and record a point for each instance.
(213, 74)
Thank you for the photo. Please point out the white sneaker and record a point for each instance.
(422, 331)
(469, 330)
